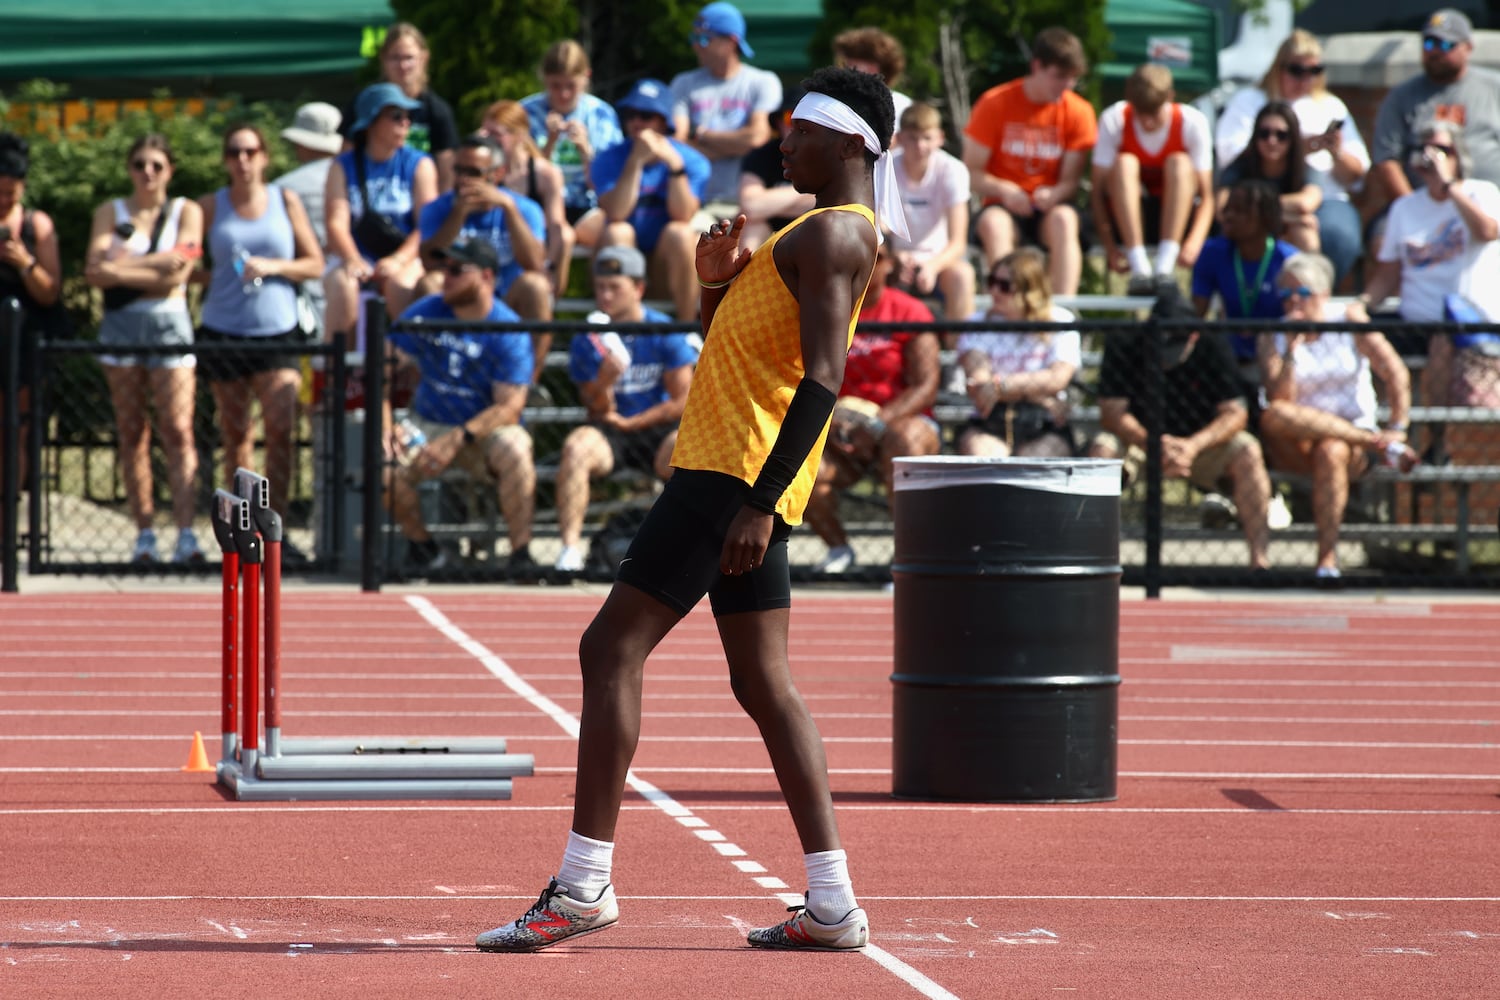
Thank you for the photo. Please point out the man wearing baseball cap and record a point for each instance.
(467, 405)
(650, 186)
(1448, 89)
(723, 108)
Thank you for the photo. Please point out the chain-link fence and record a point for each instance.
(1249, 485)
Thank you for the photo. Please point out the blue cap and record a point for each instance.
(373, 99)
(724, 19)
(650, 96)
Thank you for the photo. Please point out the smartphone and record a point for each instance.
(1334, 126)
(125, 230)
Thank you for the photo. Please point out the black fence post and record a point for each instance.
(372, 568)
(10, 441)
(1155, 411)
(335, 419)
(36, 431)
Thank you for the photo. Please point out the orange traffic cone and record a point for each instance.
(198, 759)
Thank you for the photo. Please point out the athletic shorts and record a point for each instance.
(636, 449)
(231, 366)
(147, 323)
(675, 555)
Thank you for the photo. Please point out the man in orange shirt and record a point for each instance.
(1025, 147)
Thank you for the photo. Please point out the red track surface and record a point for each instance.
(1308, 808)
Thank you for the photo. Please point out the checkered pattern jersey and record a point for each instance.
(747, 375)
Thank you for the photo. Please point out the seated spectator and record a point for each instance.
(1203, 432)
(433, 130)
(633, 386)
(871, 50)
(1319, 419)
(1019, 381)
(1278, 154)
(1152, 180)
(650, 187)
(142, 251)
(1337, 159)
(467, 406)
(1441, 254)
(884, 407)
(723, 108)
(478, 207)
(1239, 267)
(315, 139)
(376, 192)
(768, 200)
(934, 186)
(530, 173)
(1025, 147)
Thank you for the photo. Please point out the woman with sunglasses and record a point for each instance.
(1337, 158)
(1019, 381)
(262, 246)
(541, 180)
(1277, 154)
(142, 250)
(434, 130)
(375, 195)
(1320, 414)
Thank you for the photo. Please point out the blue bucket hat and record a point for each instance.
(650, 96)
(724, 19)
(373, 99)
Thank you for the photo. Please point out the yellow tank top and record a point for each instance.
(747, 374)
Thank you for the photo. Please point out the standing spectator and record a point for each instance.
(529, 172)
(723, 108)
(1278, 154)
(262, 245)
(1449, 89)
(1019, 380)
(467, 406)
(572, 125)
(142, 249)
(650, 187)
(314, 135)
(768, 200)
(884, 408)
(634, 387)
(30, 270)
(1319, 419)
(434, 131)
(1025, 147)
(1240, 266)
(934, 186)
(1337, 160)
(376, 192)
(1152, 180)
(871, 50)
(1203, 432)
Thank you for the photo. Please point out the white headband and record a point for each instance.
(830, 112)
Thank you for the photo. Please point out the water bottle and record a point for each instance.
(412, 439)
(241, 255)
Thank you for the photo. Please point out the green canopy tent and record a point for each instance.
(1179, 34)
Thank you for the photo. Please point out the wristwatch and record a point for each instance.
(679, 172)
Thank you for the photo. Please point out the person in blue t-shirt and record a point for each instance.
(634, 387)
(466, 412)
(478, 206)
(1241, 265)
(650, 186)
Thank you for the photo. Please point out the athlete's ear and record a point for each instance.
(853, 146)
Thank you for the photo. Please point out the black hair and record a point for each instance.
(1262, 201)
(1249, 164)
(15, 159)
(866, 95)
(479, 140)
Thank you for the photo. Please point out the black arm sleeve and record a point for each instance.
(811, 407)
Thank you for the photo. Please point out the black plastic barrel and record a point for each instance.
(1007, 609)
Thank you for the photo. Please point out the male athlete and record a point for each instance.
(779, 325)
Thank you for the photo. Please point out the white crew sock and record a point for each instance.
(585, 867)
(830, 894)
(1166, 256)
(1137, 259)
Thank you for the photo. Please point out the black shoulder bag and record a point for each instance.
(374, 233)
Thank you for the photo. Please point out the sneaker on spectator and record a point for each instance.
(570, 559)
(1216, 510)
(145, 547)
(840, 559)
(1278, 514)
(521, 561)
(425, 557)
(805, 931)
(553, 918)
(188, 550)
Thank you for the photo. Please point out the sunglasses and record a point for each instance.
(154, 166)
(1301, 72)
(702, 38)
(237, 152)
(1430, 44)
(1003, 285)
(1279, 134)
(399, 115)
(1301, 292)
(467, 172)
(457, 270)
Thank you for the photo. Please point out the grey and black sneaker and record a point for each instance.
(553, 918)
(803, 931)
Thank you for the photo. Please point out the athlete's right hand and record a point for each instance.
(720, 256)
(746, 541)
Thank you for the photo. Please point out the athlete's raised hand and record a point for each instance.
(720, 256)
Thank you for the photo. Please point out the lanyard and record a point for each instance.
(1248, 295)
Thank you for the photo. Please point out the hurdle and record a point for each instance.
(249, 534)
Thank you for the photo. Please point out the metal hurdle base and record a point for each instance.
(293, 746)
(250, 789)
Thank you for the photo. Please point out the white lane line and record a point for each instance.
(652, 794)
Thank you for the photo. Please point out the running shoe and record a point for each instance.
(187, 551)
(570, 559)
(145, 547)
(554, 917)
(840, 559)
(803, 931)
